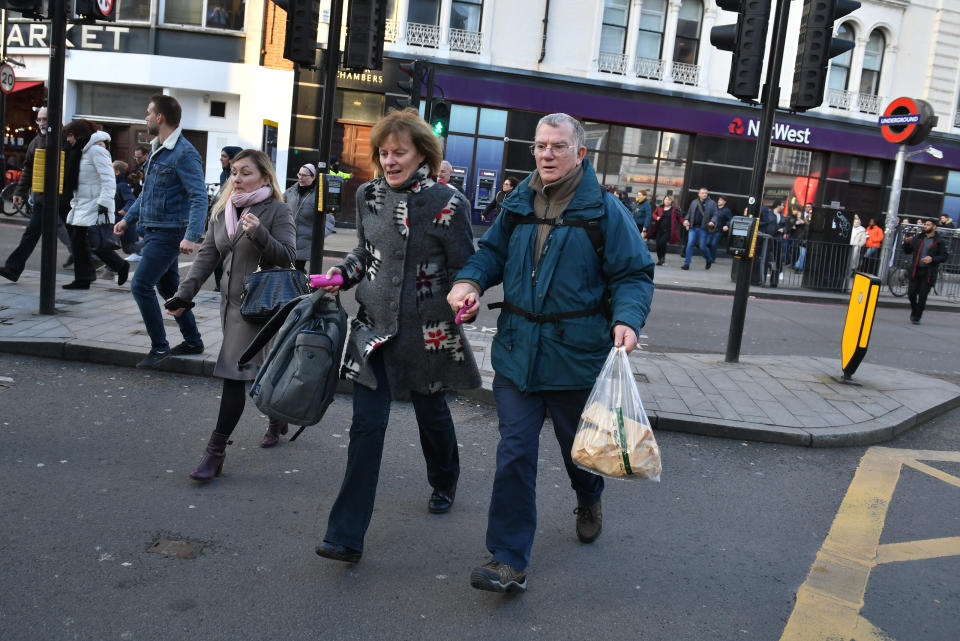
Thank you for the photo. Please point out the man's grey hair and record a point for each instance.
(445, 164)
(558, 119)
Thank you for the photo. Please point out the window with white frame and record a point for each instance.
(613, 33)
(134, 10)
(424, 11)
(872, 63)
(465, 14)
(687, 43)
(653, 17)
(209, 14)
(839, 76)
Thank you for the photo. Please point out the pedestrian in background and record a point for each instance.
(929, 251)
(492, 210)
(250, 226)
(302, 200)
(141, 153)
(88, 177)
(553, 334)
(226, 155)
(124, 199)
(858, 238)
(172, 209)
(642, 211)
(700, 221)
(666, 221)
(801, 230)
(871, 257)
(413, 234)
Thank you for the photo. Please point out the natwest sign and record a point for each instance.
(782, 131)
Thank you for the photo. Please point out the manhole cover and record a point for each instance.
(179, 549)
(641, 378)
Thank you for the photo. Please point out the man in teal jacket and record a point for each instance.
(577, 280)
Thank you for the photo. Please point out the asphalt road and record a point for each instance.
(94, 463)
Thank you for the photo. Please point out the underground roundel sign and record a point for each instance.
(106, 6)
(907, 121)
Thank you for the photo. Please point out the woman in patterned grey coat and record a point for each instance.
(413, 236)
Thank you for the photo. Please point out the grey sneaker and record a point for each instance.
(153, 359)
(589, 522)
(498, 577)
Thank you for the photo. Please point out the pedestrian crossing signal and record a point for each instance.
(440, 117)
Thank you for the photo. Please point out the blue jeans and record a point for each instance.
(698, 237)
(351, 512)
(512, 520)
(158, 269)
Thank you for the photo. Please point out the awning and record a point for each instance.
(20, 85)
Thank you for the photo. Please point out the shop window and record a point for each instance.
(134, 10)
(613, 32)
(463, 118)
(925, 177)
(493, 122)
(785, 160)
(872, 64)
(211, 14)
(522, 125)
(596, 134)
(866, 170)
(724, 151)
(921, 203)
(674, 145)
(465, 14)
(839, 76)
(358, 106)
(687, 43)
(424, 11)
(98, 100)
(653, 18)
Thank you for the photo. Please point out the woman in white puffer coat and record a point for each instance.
(88, 176)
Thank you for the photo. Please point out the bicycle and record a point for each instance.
(898, 280)
(7, 205)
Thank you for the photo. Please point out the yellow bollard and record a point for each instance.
(859, 323)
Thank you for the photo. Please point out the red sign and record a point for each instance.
(897, 133)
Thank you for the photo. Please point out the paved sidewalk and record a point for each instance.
(791, 400)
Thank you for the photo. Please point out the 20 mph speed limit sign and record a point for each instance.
(7, 78)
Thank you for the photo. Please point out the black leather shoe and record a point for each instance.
(9, 275)
(338, 552)
(441, 501)
(78, 284)
(123, 273)
(185, 348)
(153, 359)
(684, 267)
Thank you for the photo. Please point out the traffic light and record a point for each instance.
(104, 10)
(300, 45)
(440, 117)
(747, 40)
(366, 24)
(411, 86)
(815, 48)
(29, 8)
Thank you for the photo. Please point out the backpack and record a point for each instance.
(297, 381)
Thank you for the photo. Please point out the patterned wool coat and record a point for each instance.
(411, 242)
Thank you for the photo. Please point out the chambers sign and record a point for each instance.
(782, 131)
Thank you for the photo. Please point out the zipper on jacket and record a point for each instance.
(533, 274)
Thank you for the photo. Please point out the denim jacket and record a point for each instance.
(174, 194)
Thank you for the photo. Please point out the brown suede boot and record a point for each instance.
(274, 430)
(212, 462)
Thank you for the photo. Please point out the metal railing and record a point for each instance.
(956, 119)
(612, 63)
(651, 68)
(391, 32)
(466, 41)
(423, 35)
(867, 103)
(948, 279)
(685, 74)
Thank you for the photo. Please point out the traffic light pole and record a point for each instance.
(51, 175)
(327, 119)
(770, 100)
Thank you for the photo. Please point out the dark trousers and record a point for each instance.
(351, 512)
(17, 259)
(512, 520)
(917, 291)
(662, 241)
(82, 266)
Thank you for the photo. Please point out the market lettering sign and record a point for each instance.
(86, 36)
(782, 132)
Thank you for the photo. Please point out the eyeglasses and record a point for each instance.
(558, 149)
(305, 175)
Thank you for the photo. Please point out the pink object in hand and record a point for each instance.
(320, 280)
(459, 319)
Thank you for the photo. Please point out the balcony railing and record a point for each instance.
(423, 35)
(612, 63)
(956, 120)
(867, 103)
(466, 41)
(651, 68)
(685, 74)
(391, 33)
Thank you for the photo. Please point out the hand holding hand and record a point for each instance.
(186, 246)
(686, 224)
(464, 295)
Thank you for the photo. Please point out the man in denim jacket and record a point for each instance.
(171, 209)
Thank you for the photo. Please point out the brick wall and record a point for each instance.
(274, 31)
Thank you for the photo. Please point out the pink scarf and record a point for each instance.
(244, 200)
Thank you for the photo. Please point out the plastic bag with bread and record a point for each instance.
(614, 438)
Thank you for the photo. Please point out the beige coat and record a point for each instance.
(275, 241)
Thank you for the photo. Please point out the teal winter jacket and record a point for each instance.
(570, 276)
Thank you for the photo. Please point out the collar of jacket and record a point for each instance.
(587, 200)
(169, 143)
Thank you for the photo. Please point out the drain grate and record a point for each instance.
(180, 549)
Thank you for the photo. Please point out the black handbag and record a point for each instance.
(101, 235)
(265, 291)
